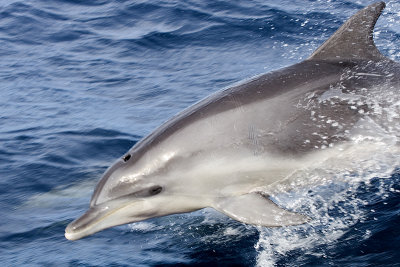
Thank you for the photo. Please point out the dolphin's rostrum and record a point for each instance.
(219, 152)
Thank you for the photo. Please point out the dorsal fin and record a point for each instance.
(354, 40)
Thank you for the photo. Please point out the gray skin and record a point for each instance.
(220, 151)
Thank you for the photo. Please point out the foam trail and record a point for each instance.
(334, 206)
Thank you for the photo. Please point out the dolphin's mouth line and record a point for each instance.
(96, 221)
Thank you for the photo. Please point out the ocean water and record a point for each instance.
(83, 81)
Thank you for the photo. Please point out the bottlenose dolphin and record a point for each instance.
(219, 152)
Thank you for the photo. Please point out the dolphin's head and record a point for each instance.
(131, 190)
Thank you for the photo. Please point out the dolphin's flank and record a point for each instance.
(219, 152)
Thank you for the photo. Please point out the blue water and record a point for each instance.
(83, 81)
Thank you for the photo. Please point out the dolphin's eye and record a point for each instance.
(154, 190)
(127, 157)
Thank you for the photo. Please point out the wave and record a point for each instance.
(151, 25)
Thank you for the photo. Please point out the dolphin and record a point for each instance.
(219, 152)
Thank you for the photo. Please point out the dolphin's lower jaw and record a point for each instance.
(75, 234)
(72, 234)
(89, 223)
(102, 217)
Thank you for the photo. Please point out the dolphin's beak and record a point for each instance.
(89, 223)
(107, 215)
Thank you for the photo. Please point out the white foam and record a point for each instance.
(143, 227)
(331, 201)
(231, 231)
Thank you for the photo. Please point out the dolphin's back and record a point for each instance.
(269, 110)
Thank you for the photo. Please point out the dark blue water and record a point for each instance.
(83, 81)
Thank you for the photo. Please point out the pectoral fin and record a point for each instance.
(255, 209)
